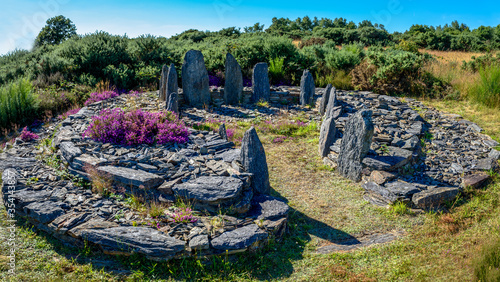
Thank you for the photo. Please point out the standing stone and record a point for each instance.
(195, 83)
(173, 104)
(355, 145)
(327, 136)
(324, 100)
(253, 159)
(306, 88)
(260, 83)
(332, 102)
(172, 86)
(233, 88)
(163, 79)
(222, 131)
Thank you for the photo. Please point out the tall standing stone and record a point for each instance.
(260, 83)
(253, 159)
(173, 104)
(161, 93)
(172, 86)
(326, 136)
(233, 88)
(355, 145)
(222, 131)
(324, 100)
(306, 88)
(332, 104)
(195, 84)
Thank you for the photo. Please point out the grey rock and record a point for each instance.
(239, 239)
(171, 86)
(435, 197)
(494, 155)
(218, 145)
(195, 84)
(131, 177)
(486, 164)
(173, 103)
(84, 160)
(332, 104)
(222, 131)
(307, 88)
(199, 242)
(267, 207)
(43, 212)
(231, 155)
(253, 159)
(69, 151)
(211, 190)
(260, 83)
(355, 145)
(128, 240)
(9, 161)
(326, 136)
(474, 128)
(477, 180)
(324, 100)
(163, 83)
(233, 88)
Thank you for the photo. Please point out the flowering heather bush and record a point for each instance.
(184, 215)
(69, 113)
(215, 79)
(27, 135)
(247, 82)
(99, 96)
(136, 127)
(281, 139)
(230, 133)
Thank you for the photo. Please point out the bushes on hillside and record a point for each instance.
(18, 104)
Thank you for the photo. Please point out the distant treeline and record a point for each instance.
(132, 62)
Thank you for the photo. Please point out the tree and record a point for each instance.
(56, 30)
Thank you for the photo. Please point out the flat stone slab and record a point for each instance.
(44, 212)
(69, 151)
(267, 207)
(392, 192)
(476, 181)
(136, 178)
(84, 160)
(240, 238)
(9, 161)
(210, 189)
(230, 156)
(434, 197)
(128, 240)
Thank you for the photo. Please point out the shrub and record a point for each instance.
(18, 103)
(100, 96)
(102, 183)
(480, 62)
(276, 70)
(183, 215)
(136, 127)
(27, 135)
(346, 58)
(487, 89)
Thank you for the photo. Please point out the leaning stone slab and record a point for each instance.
(239, 239)
(326, 136)
(260, 83)
(476, 181)
(233, 88)
(307, 88)
(355, 145)
(331, 106)
(267, 207)
(69, 151)
(324, 100)
(253, 159)
(433, 198)
(195, 84)
(129, 240)
(210, 189)
(135, 178)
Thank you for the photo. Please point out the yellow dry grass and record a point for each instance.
(452, 56)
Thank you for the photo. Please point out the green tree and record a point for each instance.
(56, 30)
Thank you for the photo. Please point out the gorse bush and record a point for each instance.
(136, 127)
(487, 90)
(18, 103)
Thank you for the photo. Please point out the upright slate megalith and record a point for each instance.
(358, 134)
(324, 100)
(332, 104)
(172, 85)
(233, 88)
(306, 88)
(195, 83)
(173, 102)
(253, 159)
(326, 136)
(260, 83)
(163, 78)
(222, 131)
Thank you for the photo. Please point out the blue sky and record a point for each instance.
(21, 20)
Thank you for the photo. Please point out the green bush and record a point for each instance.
(18, 104)
(276, 70)
(346, 58)
(487, 90)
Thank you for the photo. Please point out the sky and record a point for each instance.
(22, 20)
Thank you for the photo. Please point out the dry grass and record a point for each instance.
(451, 56)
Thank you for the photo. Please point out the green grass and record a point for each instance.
(18, 104)
(487, 89)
